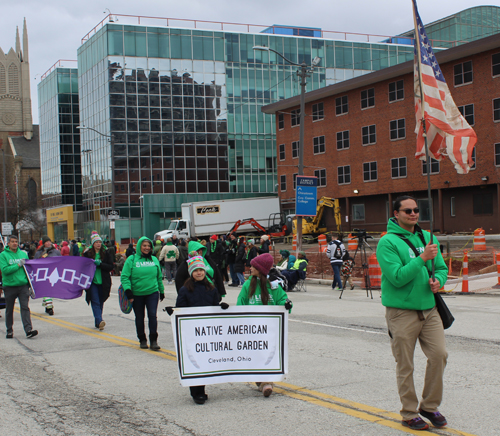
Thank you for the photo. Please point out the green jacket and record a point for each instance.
(12, 273)
(405, 278)
(142, 275)
(277, 297)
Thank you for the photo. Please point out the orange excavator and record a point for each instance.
(277, 227)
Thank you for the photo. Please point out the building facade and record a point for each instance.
(360, 143)
(183, 106)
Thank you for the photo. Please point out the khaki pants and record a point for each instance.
(405, 327)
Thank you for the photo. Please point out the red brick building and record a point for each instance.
(360, 143)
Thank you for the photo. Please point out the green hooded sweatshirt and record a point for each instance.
(405, 277)
(12, 273)
(157, 248)
(142, 275)
(195, 246)
(277, 297)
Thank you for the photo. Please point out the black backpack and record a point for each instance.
(337, 254)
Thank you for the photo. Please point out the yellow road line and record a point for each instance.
(348, 407)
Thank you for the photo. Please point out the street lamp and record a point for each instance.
(112, 143)
(303, 73)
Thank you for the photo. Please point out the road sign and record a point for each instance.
(7, 229)
(306, 195)
(111, 225)
(113, 214)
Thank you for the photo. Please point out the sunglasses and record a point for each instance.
(409, 211)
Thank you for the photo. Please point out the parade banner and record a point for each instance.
(240, 344)
(62, 277)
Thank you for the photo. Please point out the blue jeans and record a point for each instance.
(233, 275)
(96, 303)
(149, 302)
(336, 276)
(241, 278)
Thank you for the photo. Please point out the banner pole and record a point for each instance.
(33, 295)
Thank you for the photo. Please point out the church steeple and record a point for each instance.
(18, 44)
(25, 42)
(25, 86)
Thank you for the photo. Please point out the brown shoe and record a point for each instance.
(267, 390)
(101, 325)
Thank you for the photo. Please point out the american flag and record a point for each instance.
(448, 133)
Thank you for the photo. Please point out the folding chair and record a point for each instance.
(300, 286)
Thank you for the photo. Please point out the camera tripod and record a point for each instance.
(362, 244)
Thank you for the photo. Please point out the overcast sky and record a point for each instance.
(55, 27)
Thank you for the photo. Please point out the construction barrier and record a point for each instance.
(465, 274)
(498, 268)
(383, 234)
(374, 271)
(352, 244)
(479, 240)
(322, 243)
(294, 243)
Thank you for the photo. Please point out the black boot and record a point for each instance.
(153, 344)
(143, 342)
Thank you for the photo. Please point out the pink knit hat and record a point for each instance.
(263, 263)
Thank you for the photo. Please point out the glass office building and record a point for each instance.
(464, 26)
(183, 106)
(60, 152)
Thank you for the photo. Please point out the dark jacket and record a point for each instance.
(106, 268)
(51, 252)
(252, 253)
(264, 248)
(183, 254)
(239, 263)
(75, 250)
(183, 274)
(217, 252)
(232, 250)
(200, 296)
(130, 250)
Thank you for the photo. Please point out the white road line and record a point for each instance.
(337, 327)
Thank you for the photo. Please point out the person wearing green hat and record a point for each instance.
(142, 281)
(100, 288)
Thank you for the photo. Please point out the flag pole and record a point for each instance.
(422, 103)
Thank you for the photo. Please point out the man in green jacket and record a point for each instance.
(16, 286)
(411, 314)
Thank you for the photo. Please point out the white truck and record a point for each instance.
(217, 217)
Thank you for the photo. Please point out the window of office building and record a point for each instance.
(398, 167)
(295, 149)
(396, 91)
(282, 152)
(358, 212)
(434, 167)
(482, 204)
(319, 144)
(496, 109)
(281, 121)
(368, 135)
(452, 206)
(295, 117)
(295, 181)
(425, 213)
(468, 113)
(398, 129)
(343, 140)
(495, 64)
(321, 175)
(463, 73)
(497, 154)
(368, 98)
(341, 105)
(473, 156)
(369, 171)
(283, 182)
(344, 175)
(318, 113)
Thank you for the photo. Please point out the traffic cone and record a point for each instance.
(465, 273)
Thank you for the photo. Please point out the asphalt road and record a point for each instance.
(74, 380)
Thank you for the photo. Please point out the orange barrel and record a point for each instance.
(322, 243)
(498, 268)
(374, 271)
(352, 243)
(294, 242)
(479, 240)
(465, 273)
(383, 234)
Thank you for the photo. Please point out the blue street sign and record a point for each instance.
(306, 196)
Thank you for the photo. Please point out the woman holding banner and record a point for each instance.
(98, 292)
(260, 291)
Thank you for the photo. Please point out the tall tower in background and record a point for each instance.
(15, 96)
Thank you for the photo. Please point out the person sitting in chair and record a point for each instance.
(297, 271)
